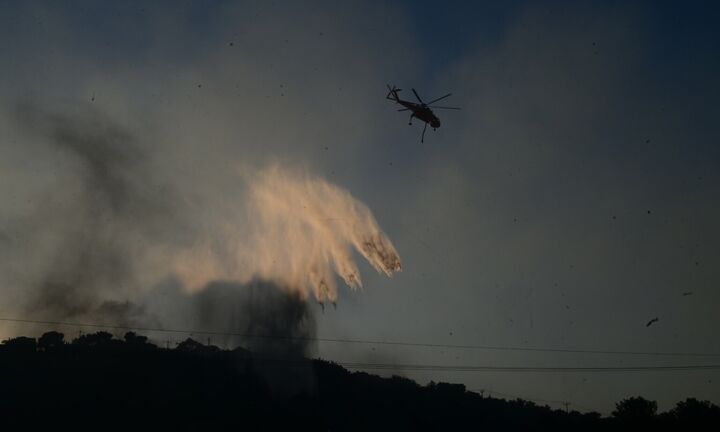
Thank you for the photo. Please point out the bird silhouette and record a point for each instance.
(651, 321)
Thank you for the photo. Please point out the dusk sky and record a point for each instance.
(574, 198)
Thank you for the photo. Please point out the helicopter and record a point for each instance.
(420, 110)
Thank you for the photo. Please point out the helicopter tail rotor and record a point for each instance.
(393, 93)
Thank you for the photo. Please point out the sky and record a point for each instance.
(573, 198)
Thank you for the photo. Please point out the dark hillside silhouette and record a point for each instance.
(105, 382)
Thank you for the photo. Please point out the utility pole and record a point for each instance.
(567, 410)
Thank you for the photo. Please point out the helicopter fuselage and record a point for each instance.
(421, 112)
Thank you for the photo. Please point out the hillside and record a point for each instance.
(101, 381)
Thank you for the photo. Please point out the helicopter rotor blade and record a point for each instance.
(417, 96)
(437, 107)
(442, 97)
(404, 109)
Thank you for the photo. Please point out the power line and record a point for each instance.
(409, 367)
(369, 342)
(583, 407)
(531, 369)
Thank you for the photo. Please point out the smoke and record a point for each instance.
(303, 231)
(275, 324)
(80, 252)
(269, 320)
(107, 230)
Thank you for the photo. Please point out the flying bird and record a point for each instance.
(651, 322)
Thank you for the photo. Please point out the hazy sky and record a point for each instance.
(573, 199)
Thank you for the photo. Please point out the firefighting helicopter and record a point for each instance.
(420, 110)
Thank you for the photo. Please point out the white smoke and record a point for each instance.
(300, 232)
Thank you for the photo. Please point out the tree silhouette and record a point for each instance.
(50, 341)
(190, 345)
(20, 345)
(129, 381)
(635, 411)
(134, 339)
(99, 339)
(694, 413)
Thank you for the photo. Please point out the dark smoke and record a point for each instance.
(99, 230)
(274, 323)
(270, 321)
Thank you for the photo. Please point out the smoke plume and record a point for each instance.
(106, 230)
(82, 251)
